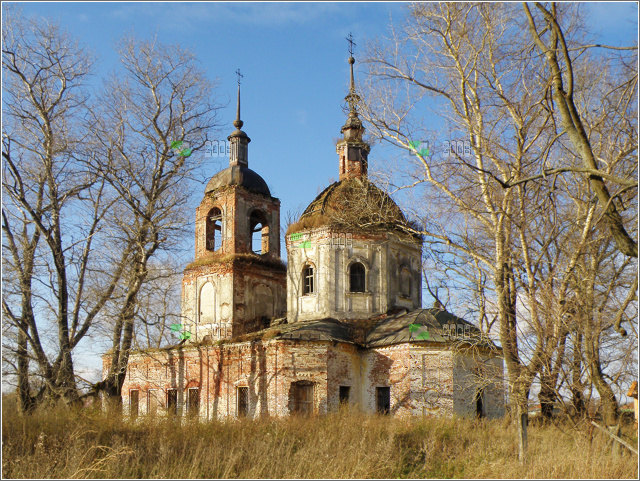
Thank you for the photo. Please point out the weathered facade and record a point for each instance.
(354, 330)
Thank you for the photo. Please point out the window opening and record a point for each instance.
(308, 281)
(480, 404)
(193, 401)
(344, 394)
(134, 403)
(383, 400)
(356, 277)
(213, 224)
(259, 230)
(243, 401)
(172, 401)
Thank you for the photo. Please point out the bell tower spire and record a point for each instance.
(352, 150)
(239, 141)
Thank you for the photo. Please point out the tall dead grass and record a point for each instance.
(59, 443)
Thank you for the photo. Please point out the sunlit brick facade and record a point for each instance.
(355, 331)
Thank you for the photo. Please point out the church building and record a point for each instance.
(341, 323)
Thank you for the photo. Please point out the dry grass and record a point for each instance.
(86, 444)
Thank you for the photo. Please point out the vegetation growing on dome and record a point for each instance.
(354, 204)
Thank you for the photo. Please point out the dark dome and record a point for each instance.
(353, 204)
(238, 175)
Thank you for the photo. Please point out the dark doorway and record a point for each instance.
(243, 401)
(383, 400)
(134, 403)
(480, 404)
(172, 401)
(344, 394)
(301, 398)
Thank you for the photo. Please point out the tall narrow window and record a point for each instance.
(193, 402)
(259, 230)
(308, 286)
(172, 401)
(356, 277)
(134, 403)
(243, 401)
(383, 400)
(213, 225)
(152, 402)
(405, 282)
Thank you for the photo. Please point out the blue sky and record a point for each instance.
(293, 57)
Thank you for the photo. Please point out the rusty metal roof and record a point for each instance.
(327, 329)
(238, 175)
(420, 325)
(432, 325)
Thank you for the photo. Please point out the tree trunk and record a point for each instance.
(24, 389)
(521, 398)
(576, 387)
(607, 397)
(547, 396)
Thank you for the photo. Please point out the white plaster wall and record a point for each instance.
(478, 372)
(217, 316)
(331, 254)
(431, 381)
(417, 388)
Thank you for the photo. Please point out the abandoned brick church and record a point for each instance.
(342, 322)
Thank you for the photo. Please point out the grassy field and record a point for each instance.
(58, 443)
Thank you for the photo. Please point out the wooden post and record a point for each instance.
(522, 422)
(621, 441)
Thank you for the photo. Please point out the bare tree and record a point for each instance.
(93, 193)
(154, 116)
(54, 206)
(553, 44)
(504, 208)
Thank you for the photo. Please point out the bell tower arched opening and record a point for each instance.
(259, 230)
(213, 229)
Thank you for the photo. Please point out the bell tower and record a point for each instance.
(352, 150)
(237, 282)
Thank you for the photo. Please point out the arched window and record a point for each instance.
(405, 282)
(207, 304)
(308, 284)
(356, 277)
(213, 224)
(259, 230)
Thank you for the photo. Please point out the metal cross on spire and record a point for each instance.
(352, 98)
(238, 123)
(351, 44)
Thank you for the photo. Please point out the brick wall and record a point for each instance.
(423, 379)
